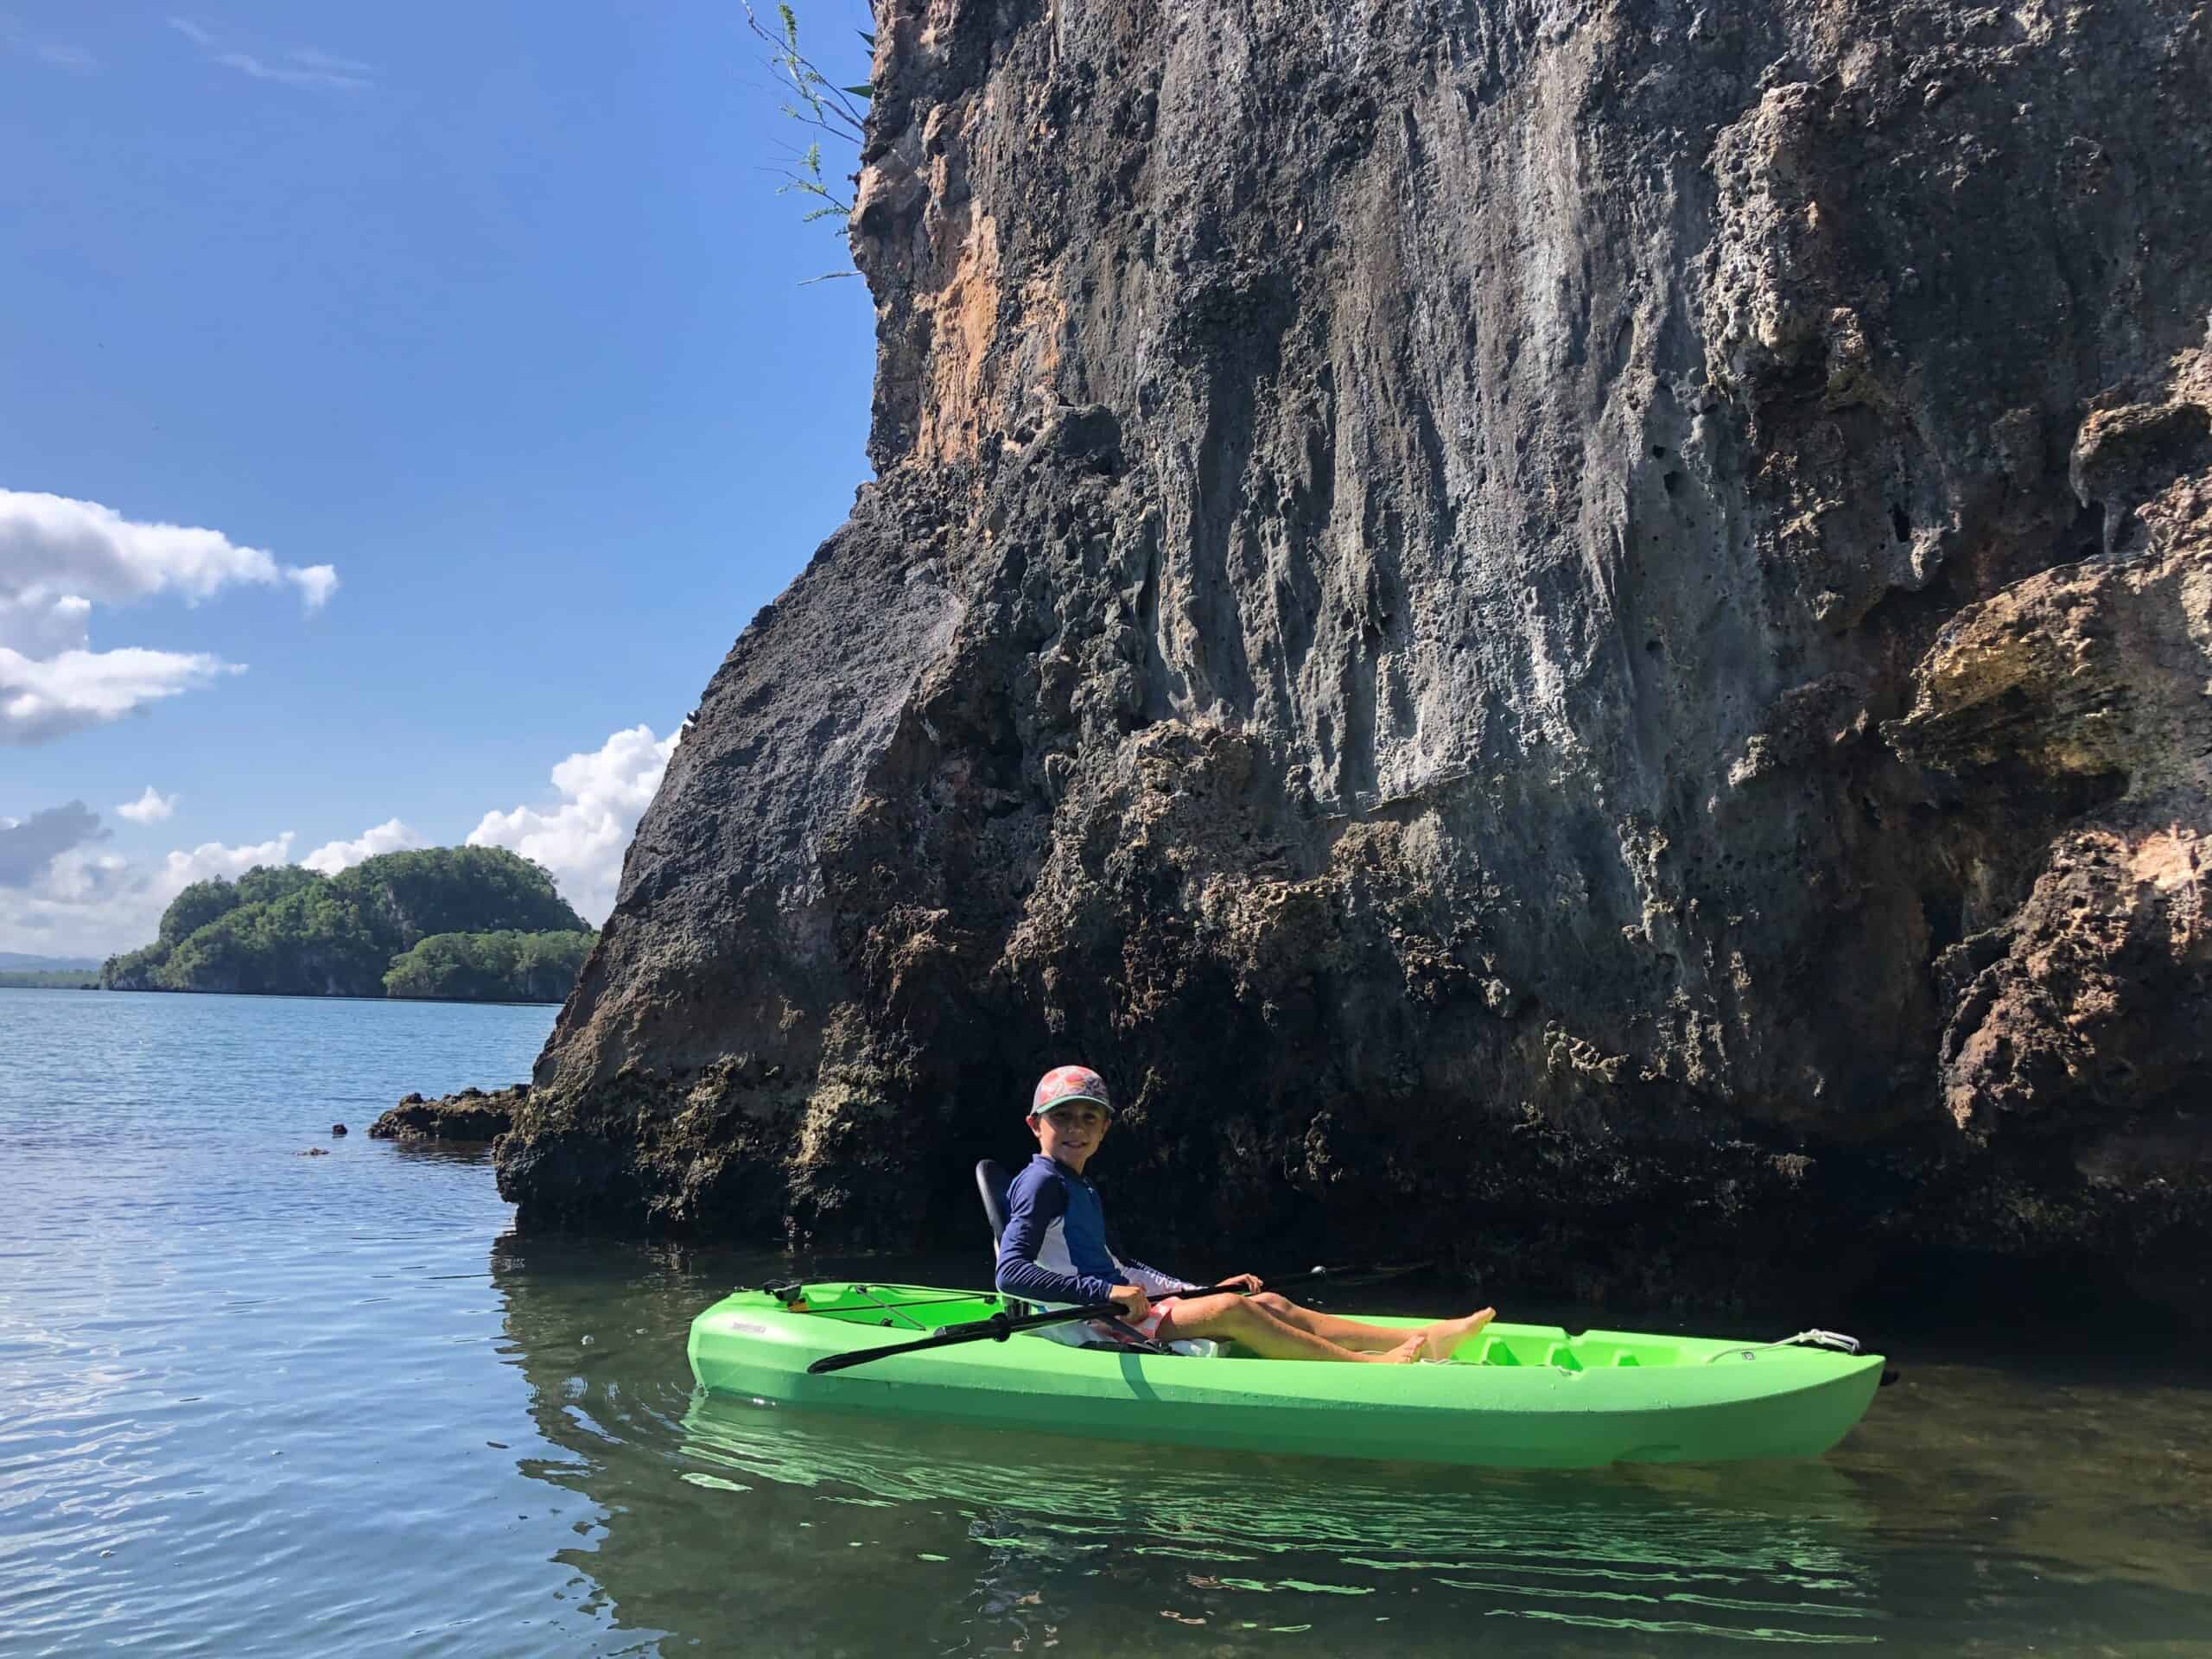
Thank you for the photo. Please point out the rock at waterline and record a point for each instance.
(472, 1115)
(338, 1128)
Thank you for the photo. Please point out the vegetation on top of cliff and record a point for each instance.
(287, 930)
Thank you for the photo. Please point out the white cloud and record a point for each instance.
(80, 878)
(294, 69)
(150, 808)
(53, 546)
(582, 839)
(29, 845)
(93, 904)
(60, 54)
(312, 59)
(317, 583)
(64, 694)
(390, 836)
(300, 65)
(210, 858)
(59, 557)
(45, 627)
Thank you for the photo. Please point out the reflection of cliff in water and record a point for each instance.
(589, 1325)
(749, 1529)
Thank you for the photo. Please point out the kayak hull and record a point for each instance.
(1528, 1397)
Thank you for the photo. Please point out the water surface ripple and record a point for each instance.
(253, 1401)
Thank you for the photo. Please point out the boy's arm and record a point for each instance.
(1033, 1204)
(1153, 1281)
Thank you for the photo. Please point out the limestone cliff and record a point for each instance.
(1571, 629)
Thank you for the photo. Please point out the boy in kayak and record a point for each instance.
(1054, 1251)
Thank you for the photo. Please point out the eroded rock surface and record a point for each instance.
(2087, 1012)
(1574, 635)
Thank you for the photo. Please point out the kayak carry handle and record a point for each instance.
(1813, 1338)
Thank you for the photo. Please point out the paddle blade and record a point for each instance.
(1340, 1278)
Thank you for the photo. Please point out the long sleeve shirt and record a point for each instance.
(1054, 1248)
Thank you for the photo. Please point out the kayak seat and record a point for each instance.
(991, 1183)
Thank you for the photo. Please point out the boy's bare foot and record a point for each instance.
(1446, 1337)
(1406, 1353)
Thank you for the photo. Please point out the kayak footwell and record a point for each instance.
(1531, 1397)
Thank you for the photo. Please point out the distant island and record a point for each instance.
(18, 972)
(455, 924)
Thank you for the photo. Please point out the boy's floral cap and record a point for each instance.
(1066, 1084)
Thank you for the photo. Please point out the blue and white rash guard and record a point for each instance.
(1054, 1248)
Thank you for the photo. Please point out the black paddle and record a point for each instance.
(1000, 1326)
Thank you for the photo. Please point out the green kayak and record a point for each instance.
(1535, 1397)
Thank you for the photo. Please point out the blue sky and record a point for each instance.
(492, 308)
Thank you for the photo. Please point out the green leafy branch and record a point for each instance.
(837, 110)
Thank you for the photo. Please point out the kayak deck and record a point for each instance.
(1519, 1394)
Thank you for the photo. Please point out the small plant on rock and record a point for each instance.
(838, 111)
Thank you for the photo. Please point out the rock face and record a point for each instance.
(472, 1115)
(1574, 632)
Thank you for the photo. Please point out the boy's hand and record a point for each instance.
(1132, 1301)
(1249, 1283)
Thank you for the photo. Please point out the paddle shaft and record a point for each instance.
(1000, 1326)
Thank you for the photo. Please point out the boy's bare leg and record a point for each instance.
(1442, 1338)
(1248, 1321)
(1345, 1333)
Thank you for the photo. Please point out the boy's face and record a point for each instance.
(1070, 1133)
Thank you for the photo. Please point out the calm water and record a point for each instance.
(256, 1402)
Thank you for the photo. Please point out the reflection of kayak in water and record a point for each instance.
(1529, 1395)
(1774, 1552)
